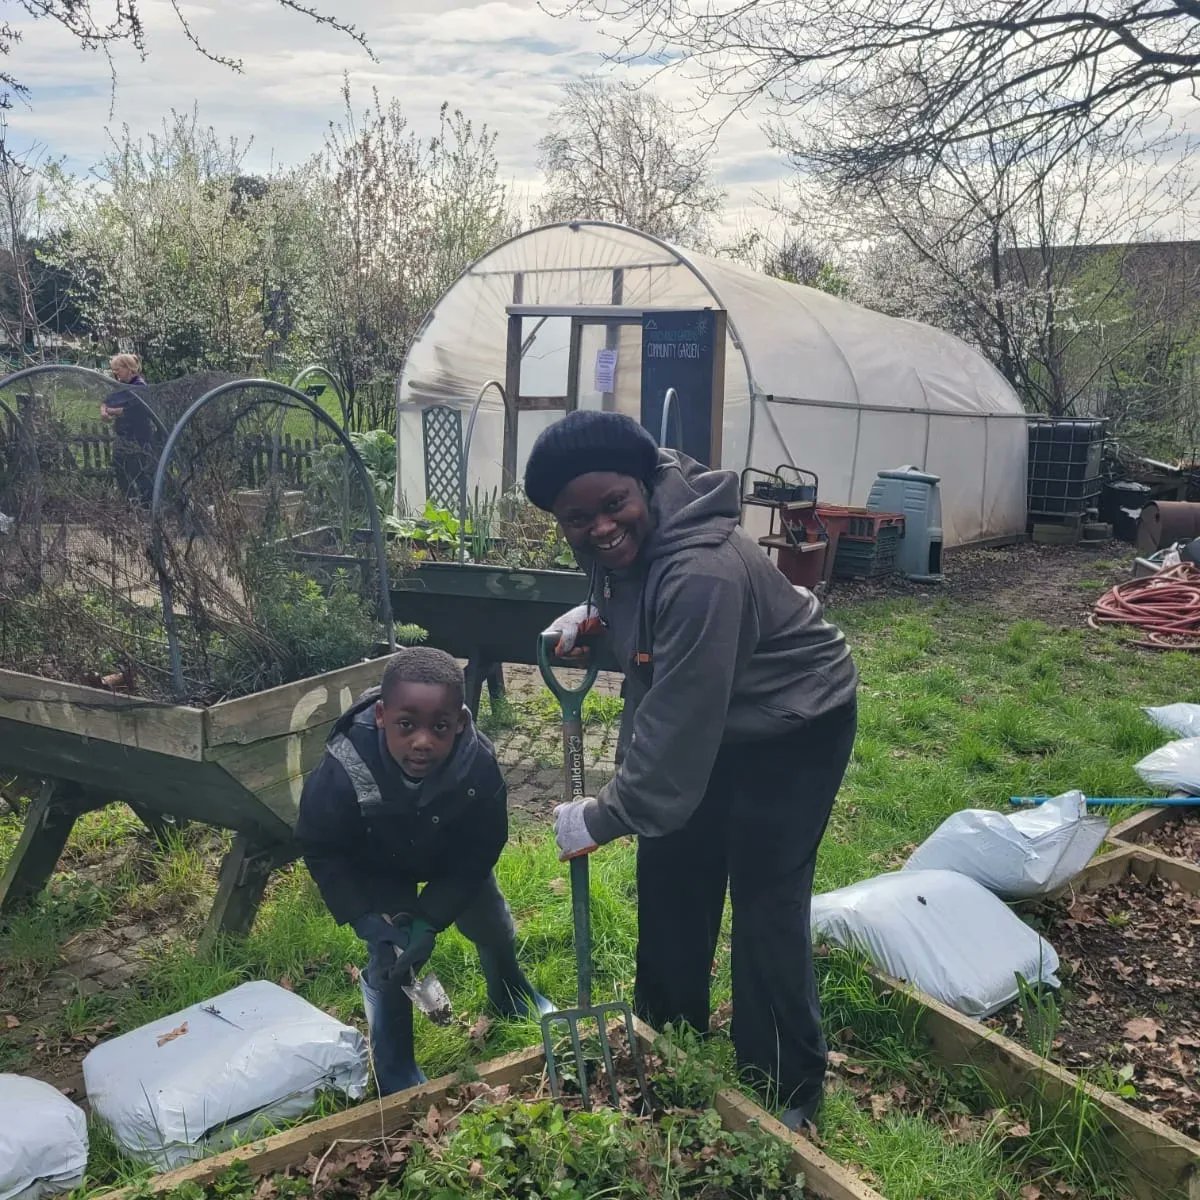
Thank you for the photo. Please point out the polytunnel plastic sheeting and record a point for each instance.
(807, 344)
(980, 460)
(872, 391)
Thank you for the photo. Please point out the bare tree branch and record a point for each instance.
(124, 25)
(932, 74)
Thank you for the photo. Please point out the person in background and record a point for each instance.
(740, 714)
(133, 454)
(409, 791)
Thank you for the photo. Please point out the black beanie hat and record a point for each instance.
(584, 441)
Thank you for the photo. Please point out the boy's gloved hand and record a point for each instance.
(571, 831)
(582, 619)
(384, 941)
(419, 937)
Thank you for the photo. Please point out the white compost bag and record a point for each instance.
(43, 1140)
(191, 1083)
(1175, 766)
(1183, 720)
(940, 931)
(1016, 855)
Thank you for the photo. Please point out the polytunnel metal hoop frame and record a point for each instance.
(670, 409)
(112, 384)
(156, 506)
(26, 434)
(318, 369)
(680, 257)
(29, 449)
(468, 437)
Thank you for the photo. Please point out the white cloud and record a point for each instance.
(501, 61)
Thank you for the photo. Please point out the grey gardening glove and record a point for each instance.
(583, 619)
(570, 828)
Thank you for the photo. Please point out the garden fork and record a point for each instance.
(571, 702)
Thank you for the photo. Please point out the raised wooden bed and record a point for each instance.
(238, 765)
(378, 1119)
(486, 614)
(1133, 830)
(1161, 1164)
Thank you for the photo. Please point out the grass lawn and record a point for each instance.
(963, 703)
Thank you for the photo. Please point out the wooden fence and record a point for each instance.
(283, 457)
(262, 458)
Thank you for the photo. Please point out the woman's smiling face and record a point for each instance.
(605, 515)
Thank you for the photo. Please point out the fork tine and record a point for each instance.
(606, 1051)
(580, 1063)
(548, 1043)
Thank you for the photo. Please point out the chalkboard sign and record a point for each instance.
(685, 350)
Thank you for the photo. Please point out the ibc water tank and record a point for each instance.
(915, 494)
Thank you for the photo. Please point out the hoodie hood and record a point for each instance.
(448, 777)
(693, 505)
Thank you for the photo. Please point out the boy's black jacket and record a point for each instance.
(367, 841)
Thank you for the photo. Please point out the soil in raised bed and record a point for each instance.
(519, 1142)
(1128, 1012)
(1179, 837)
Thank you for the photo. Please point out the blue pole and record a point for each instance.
(1115, 801)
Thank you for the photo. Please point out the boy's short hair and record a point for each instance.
(422, 664)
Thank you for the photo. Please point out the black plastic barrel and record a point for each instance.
(1121, 504)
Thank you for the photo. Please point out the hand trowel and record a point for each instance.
(429, 997)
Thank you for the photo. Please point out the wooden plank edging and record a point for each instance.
(87, 712)
(290, 708)
(1125, 832)
(822, 1175)
(1163, 1164)
(825, 1178)
(1142, 861)
(1129, 831)
(372, 1119)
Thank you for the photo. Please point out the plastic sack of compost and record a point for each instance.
(1175, 766)
(940, 931)
(1016, 855)
(1183, 720)
(226, 1069)
(43, 1140)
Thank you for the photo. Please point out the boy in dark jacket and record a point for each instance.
(409, 792)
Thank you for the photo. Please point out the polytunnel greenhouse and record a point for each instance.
(739, 369)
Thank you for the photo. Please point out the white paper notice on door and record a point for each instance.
(606, 369)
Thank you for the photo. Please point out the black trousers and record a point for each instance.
(756, 831)
(133, 466)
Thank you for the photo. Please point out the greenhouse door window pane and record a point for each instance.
(609, 374)
(545, 355)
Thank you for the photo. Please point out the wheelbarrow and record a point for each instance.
(574, 1020)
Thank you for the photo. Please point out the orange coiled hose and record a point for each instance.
(1165, 606)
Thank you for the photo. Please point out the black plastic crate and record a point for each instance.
(784, 493)
(867, 558)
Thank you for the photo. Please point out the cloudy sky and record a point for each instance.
(500, 61)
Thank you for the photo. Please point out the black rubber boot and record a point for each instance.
(509, 993)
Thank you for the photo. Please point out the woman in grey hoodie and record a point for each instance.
(740, 710)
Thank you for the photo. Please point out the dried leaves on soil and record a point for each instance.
(481, 1140)
(1129, 1009)
(1180, 838)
